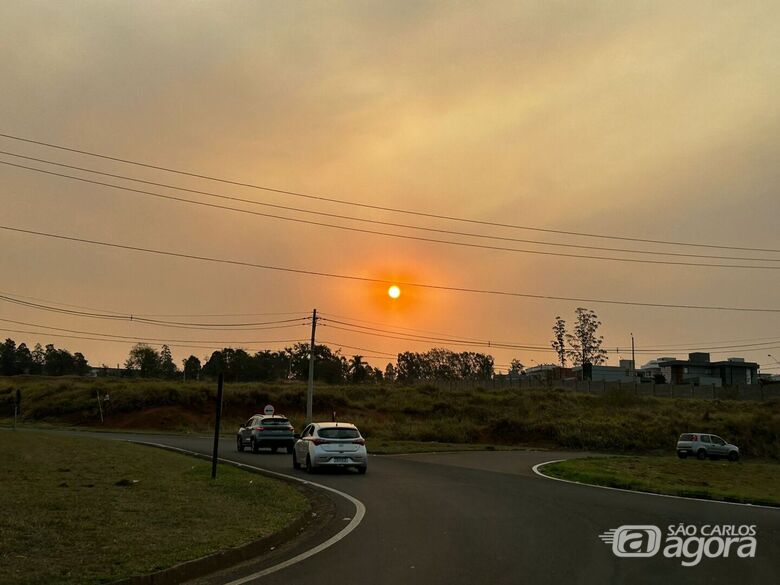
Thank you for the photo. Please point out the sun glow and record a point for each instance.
(394, 292)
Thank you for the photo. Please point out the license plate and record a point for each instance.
(340, 459)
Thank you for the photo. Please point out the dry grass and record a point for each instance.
(85, 511)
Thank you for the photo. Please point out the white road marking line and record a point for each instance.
(536, 470)
(360, 511)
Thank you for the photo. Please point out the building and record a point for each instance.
(622, 373)
(699, 370)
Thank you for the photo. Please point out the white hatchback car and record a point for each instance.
(330, 444)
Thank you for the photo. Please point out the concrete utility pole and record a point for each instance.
(310, 391)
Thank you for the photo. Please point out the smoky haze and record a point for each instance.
(656, 121)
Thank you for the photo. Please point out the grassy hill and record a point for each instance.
(615, 421)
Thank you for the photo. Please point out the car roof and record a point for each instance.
(345, 425)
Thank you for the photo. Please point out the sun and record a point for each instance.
(394, 292)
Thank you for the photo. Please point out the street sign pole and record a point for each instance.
(215, 454)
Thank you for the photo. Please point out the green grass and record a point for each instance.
(616, 421)
(751, 482)
(66, 518)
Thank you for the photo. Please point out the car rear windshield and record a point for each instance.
(339, 433)
(267, 422)
(686, 437)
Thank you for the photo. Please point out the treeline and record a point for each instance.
(292, 363)
(237, 365)
(443, 364)
(48, 361)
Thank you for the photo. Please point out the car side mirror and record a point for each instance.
(296, 435)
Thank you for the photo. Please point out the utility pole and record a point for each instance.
(633, 357)
(310, 391)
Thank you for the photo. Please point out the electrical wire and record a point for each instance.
(370, 206)
(258, 326)
(136, 314)
(394, 235)
(383, 281)
(111, 340)
(144, 339)
(335, 215)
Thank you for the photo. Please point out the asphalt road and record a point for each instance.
(485, 517)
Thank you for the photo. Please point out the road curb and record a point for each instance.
(537, 470)
(320, 503)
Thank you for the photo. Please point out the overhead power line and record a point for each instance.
(148, 339)
(136, 314)
(398, 236)
(656, 347)
(174, 324)
(356, 328)
(335, 215)
(375, 207)
(354, 278)
(112, 340)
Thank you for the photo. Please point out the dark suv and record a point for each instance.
(266, 431)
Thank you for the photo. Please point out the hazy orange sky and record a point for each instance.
(650, 120)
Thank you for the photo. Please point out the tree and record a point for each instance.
(585, 343)
(167, 366)
(390, 373)
(24, 361)
(356, 369)
(80, 364)
(39, 359)
(559, 336)
(191, 368)
(8, 358)
(329, 366)
(515, 368)
(145, 360)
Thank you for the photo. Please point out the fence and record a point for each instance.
(707, 392)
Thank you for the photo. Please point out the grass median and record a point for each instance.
(746, 482)
(93, 511)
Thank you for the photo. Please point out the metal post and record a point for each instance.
(100, 408)
(310, 389)
(215, 453)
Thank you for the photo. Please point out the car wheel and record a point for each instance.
(733, 456)
(295, 461)
(682, 455)
(701, 454)
(239, 445)
(255, 448)
(362, 469)
(309, 468)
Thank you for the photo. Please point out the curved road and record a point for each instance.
(485, 517)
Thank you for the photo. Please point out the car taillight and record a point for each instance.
(259, 428)
(319, 441)
(360, 441)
